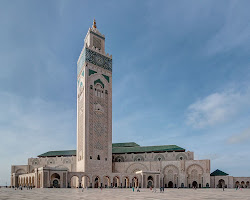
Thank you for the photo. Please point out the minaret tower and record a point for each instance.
(94, 105)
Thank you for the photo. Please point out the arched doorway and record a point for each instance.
(27, 182)
(247, 184)
(55, 178)
(116, 181)
(97, 182)
(150, 182)
(74, 182)
(33, 181)
(135, 182)
(242, 185)
(30, 183)
(85, 182)
(221, 183)
(39, 180)
(170, 184)
(106, 181)
(126, 182)
(194, 184)
(237, 184)
(55, 183)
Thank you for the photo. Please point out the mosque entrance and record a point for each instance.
(221, 183)
(150, 182)
(55, 180)
(96, 185)
(56, 183)
(194, 184)
(170, 184)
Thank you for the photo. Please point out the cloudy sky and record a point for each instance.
(181, 75)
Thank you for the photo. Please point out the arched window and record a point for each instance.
(98, 157)
(99, 90)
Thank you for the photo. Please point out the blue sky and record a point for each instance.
(181, 74)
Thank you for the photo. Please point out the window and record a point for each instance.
(106, 159)
(98, 157)
(90, 157)
(181, 158)
(159, 159)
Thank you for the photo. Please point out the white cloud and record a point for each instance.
(217, 108)
(240, 137)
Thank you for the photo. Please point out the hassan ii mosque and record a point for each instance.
(97, 162)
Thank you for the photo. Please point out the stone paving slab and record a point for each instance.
(120, 194)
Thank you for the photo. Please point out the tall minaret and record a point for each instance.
(94, 105)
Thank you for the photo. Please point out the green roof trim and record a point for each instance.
(99, 81)
(218, 172)
(106, 77)
(120, 148)
(91, 72)
(142, 149)
(58, 153)
(127, 144)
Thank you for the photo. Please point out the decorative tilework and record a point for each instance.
(91, 72)
(99, 81)
(106, 77)
(98, 59)
(80, 63)
(94, 58)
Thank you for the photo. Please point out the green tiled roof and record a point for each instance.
(58, 153)
(218, 172)
(127, 144)
(142, 149)
(117, 148)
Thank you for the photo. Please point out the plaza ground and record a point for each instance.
(77, 194)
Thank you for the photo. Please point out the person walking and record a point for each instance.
(138, 190)
(133, 188)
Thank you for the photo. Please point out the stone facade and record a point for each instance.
(98, 163)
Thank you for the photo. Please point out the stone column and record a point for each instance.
(142, 182)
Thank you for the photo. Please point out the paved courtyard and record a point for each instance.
(72, 194)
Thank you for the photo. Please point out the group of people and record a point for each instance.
(154, 189)
(138, 190)
(21, 188)
(238, 188)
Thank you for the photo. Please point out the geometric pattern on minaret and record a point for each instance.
(94, 105)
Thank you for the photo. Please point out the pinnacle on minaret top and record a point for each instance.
(94, 24)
